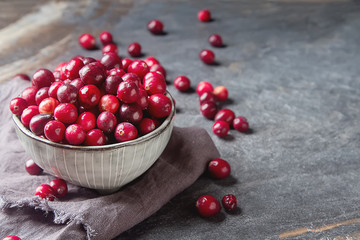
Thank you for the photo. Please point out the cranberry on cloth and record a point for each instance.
(83, 213)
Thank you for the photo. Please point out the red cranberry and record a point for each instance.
(131, 112)
(109, 103)
(48, 105)
(207, 97)
(42, 78)
(132, 77)
(54, 88)
(150, 61)
(241, 124)
(207, 56)
(22, 76)
(111, 47)
(116, 72)
(54, 131)
(32, 168)
(60, 66)
(221, 128)
(11, 237)
(128, 92)
(87, 41)
(142, 99)
(111, 60)
(155, 27)
(146, 125)
(88, 60)
(77, 83)
(72, 69)
(17, 105)
(182, 83)
(209, 109)
(38, 122)
(155, 83)
(225, 115)
(126, 62)
(57, 75)
(75, 134)
(208, 206)
(28, 113)
(59, 186)
(204, 15)
(45, 191)
(139, 67)
(215, 40)
(204, 86)
(93, 73)
(221, 93)
(219, 168)
(66, 113)
(229, 202)
(106, 121)
(158, 68)
(125, 132)
(112, 83)
(87, 120)
(94, 137)
(67, 93)
(41, 94)
(89, 96)
(159, 106)
(106, 38)
(134, 49)
(29, 94)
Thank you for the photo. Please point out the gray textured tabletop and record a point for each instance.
(291, 67)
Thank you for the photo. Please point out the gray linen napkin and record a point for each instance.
(83, 213)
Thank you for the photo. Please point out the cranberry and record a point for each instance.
(54, 130)
(89, 96)
(155, 83)
(111, 47)
(48, 105)
(22, 76)
(77, 83)
(45, 191)
(225, 115)
(208, 206)
(126, 62)
(150, 61)
(32, 168)
(75, 134)
(93, 73)
(131, 112)
(111, 60)
(241, 124)
(67, 93)
(116, 72)
(125, 132)
(41, 94)
(106, 121)
(219, 168)
(158, 68)
(29, 94)
(155, 26)
(60, 66)
(66, 113)
(139, 67)
(94, 137)
(229, 202)
(182, 83)
(42, 78)
(221, 128)
(142, 99)
(215, 40)
(87, 41)
(134, 49)
(112, 83)
(72, 69)
(59, 186)
(127, 92)
(159, 106)
(209, 109)
(106, 38)
(37, 123)
(204, 86)
(54, 88)
(146, 125)
(11, 237)
(57, 75)
(204, 15)
(109, 103)
(17, 105)
(207, 97)
(132, 77)
(221, 93)
(87, 120)
(88, 60)
(207, 56)
(28, 113)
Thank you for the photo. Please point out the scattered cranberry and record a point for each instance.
(111, 60)
(208, 206)
(87, 41)
(241, 124)
(45, 191)
(22, 76)
(66, 113)
(48, 105)
(219, 168)
(11, 237)
(130, 112)
(158, 68)
(146, 125)
(221, 93)
(32, 168)
(134, 49)
(54, 131)
(29, 95)
(42, 78)
(207, 97)
(106, 38)
(95, 137)
(38, 122)
(215, 40)
(67, 93)
(182, 83)
(75, 134)
(204, 15)
(111, 47)
(87, 120)
(54, 88)
(139, 67)
(93, 73)
(229, 202)
(126, 62)
(89, 96)
(155, 83)
(106, 121)
(109, 103)
(155, 27)
(59, 186)
(204, 86)
(225, 115)
(72, 69)
(207, 56)
(125, 132)
(28, 113)
(41, 94)
(127, 92)
(209, 109)
(159, 106)
(150, 61)
(220, 128)
(17, 105)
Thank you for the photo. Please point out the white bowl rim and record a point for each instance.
(138, 140)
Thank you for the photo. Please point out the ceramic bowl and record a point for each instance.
(104, 168)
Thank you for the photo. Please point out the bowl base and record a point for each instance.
(107, 191)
